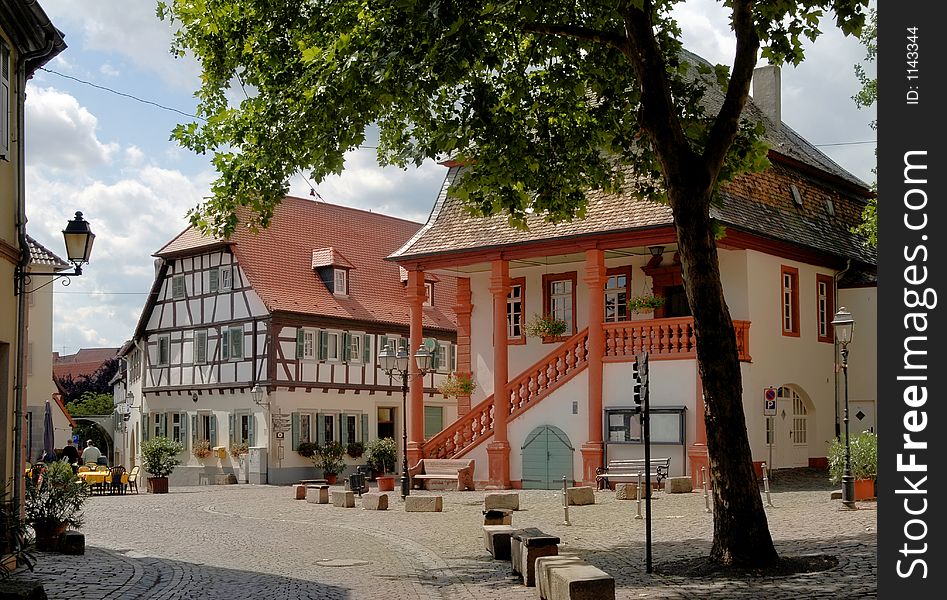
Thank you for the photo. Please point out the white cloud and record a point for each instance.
(109, 71)
(134, 156)
(62, 133)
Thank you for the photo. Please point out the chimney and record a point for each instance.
(766, 85)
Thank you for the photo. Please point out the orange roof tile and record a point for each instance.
(329, 257)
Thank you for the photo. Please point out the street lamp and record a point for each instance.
(397, 365)
(78, 237)
(257, 393)
(129, 401)
(844, 325)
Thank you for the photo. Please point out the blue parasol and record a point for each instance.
(49, 436)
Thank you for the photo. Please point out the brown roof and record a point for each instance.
(41, 255)
(189, 241)
(84, 362)
(279, 262)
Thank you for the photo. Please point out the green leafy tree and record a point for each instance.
(98, 382)
(543, 100)
(866, 98)
(91, 404)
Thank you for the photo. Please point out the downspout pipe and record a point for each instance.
(838, 276)
(20, 285)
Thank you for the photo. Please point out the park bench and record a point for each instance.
(627, 470)
(457, 471)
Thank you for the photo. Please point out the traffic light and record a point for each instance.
(640, 385)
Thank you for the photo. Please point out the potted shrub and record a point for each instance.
(355, 449)
(159, 456)
(457, 384)
(864, 458)
(54, 499)
(239, 449)
(328, 457)
(307, 449)
(644, 303)
(546, 326)
(382, 453)
(201, 449)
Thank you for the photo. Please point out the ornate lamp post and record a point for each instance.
(844, 324)
(396, 365)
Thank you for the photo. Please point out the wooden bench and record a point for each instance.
(458, 471)
(626, 470)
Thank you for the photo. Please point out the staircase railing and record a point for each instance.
(663, 338)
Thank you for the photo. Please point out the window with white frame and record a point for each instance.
(231, 345)
(442, 356)
(790, 300)
(226, 278)
(428, 293)
(328, 428)
(355, 348)
(200, 346)
(243, 429)
(514, 310)
(341, 277)
(177, 286)
(158, 425)
(305, 344)
(164, 350)
(559, 298)
(351, 425)
(177, 427)
(205, 428)
(616, 296)
(825, 307)
(329, 345)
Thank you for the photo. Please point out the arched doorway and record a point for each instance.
(788, 431)
(547, 457)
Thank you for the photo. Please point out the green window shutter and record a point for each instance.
(295, 420)
(144, 427)
(214, 280)
(225, 344)
(343, 430)
(403, 344)
(365, 429)
(367, 349)
(320, 430)
(194, 430)
(213, 430)
(383, 343)
(346, 347)
(164, 423)
(451, 358)
(300, 342)
(433, 420)
(236, 342)
(323, 345)
(251, 426)
(183, 427)
(232, 419)
(435, 355)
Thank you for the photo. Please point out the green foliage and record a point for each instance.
(355, 449)
(160, 455)
(644, 303)
(201, 449)
(382, 453)
(864, 457)
(98, 382)
(55, 495)
(307, 449)
(545, 326)
(238, 449)
(866, 98)
(91, 404)
(542, 99)
(328, 457)
(457, 384)
(15, 537)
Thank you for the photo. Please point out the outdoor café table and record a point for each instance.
(94, 478)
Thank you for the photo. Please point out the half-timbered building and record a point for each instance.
(300, 309)
(562, 405)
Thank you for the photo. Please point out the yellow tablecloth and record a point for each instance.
(98, 477)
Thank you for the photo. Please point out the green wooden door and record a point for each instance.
(547, 456)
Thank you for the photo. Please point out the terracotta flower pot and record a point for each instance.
(331, 478)
(864, 489)
(47, 535)
(158, 485)
(386, 483)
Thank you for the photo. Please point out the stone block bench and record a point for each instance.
(679, 485)
(443, 473)
(526, 545)
(317, 494)
(496, 539)
(571, 578)
(343, 498)
(299, 491)
(423, 504)
(626, 491)
(375, 501)
(505, 500)
(580, 495)
(498, 516)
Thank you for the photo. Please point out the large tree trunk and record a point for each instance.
(741, 533)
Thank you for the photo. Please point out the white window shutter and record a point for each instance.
(225, 343)
(365, 429)
(251, 429)
(194, 430)
(232, 420)
(295, 421)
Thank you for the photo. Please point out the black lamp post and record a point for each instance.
(844, 325)
(397, 365)
(78, 237)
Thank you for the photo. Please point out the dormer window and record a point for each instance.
(341, 279)
(429, 293)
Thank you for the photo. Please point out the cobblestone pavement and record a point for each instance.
(245, 541)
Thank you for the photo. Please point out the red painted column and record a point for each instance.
(593, 451)
(697, 452)
(498, 451)
(463, 308)
(415, 295)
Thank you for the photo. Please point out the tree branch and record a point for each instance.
(725, 126)
(576, 32)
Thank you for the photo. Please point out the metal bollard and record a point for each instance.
(769, 500)
(565, 501)
(638, 497)
(703, 476)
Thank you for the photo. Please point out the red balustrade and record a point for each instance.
(663, 339)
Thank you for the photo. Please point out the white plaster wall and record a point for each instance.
(863, 353)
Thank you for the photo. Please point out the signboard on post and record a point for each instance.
(769, 402)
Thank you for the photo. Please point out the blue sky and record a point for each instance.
(109, 156)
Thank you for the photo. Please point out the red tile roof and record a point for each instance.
(84, 362)
(279, 262)
(187, 242)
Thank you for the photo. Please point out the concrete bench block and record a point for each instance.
(544, 566)
(627, 491)
(343, 498)
(72, 542)
(581, 495)
(226, 479)
(375, 501)
(580, 582)
(498, 516)
(317, 494)
(300, 492)
(506, 500)
(679, 485)
(423, 503)
(526, 545)
(496, 539)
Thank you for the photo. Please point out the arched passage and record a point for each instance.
(103, 425)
